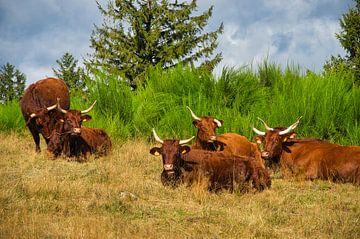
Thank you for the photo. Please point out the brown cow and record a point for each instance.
(229, 143)
(182, 165)
(71, 139)
(38, 117)
(309, 158)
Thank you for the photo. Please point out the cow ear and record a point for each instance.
(184, 149)
(85, 118)
(221, 121)
(155, 151)
(259, 139)
(290, 136)
(196, 123)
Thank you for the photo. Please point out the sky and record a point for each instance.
(36, 33)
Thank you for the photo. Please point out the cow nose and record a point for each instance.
(212, 138)
(77, 130)
(265, 154)
(168, 167)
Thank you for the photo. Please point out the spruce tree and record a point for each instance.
(69, 72)
(349, 38)
(12, 83)
(138, 34)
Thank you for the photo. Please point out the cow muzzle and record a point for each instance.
(212, 139)
(76, 131)
(168, 167)
(265, 155)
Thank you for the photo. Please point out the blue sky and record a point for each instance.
(35, 33)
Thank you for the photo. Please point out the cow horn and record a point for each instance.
(291, 127)
(89, 109)
(258, 132)
(218, 123)
(51, 107)
(193, 114)
(157, 138)
(48, 108)
(185, 141)
(59, 107)
(266, 126)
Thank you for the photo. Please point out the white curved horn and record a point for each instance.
(157, 138)
(266, 126)
(59, 107)
(193, 114)
(291, 127)
(258, 132)
(89, 109)
(185, 141)
(218, 123)
(51, 107)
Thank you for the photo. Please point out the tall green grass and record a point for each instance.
(11, 117)
(328, 103)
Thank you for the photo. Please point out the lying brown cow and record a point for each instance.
(38, 117)
(309, 158)
(73, 140)
(182, 165)
(229, 143)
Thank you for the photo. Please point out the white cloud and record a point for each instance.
(35, 33)
(289, 32)
(35, 72)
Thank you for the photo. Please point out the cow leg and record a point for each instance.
(36, 138)
(46, 140)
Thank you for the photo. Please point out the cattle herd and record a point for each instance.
(228, 161)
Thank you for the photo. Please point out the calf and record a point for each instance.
(71, 139)
(182, 165)
(309, 158)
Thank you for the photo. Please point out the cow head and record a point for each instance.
(273, 139)
(72, 119)
(206, 126)
(171, 151)
(42, 119)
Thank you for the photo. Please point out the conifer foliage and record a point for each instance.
(138, 34)
(12, 83)
(70, 72)
(349, 38)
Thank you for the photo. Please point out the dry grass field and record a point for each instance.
(121, 196)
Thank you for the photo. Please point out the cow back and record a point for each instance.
(320, 159)
(97, 139)
(235, 144)
(44, 93)
(226, 171)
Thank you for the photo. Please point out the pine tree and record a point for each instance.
(349, 38)
(12, 83)
(69, 72)
(138, 34)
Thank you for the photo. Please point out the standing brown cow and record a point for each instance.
(73, 140)
(309, 158)
(38, 117)
(184, 165)
(229, 143)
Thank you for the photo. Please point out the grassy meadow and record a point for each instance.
(121, 196)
